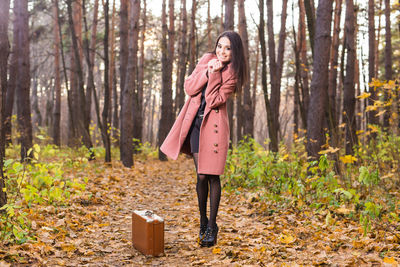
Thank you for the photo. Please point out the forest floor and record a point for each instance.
(96, 231)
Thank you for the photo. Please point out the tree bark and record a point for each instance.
(166, 92)
(23, 76)
(319, 82)
(332, 119)
(349, 86)
(123, 46)
(141, 65)
(126, 144)
(4, 53)
(276, 66)
(229, 26)
(105, 133)
(308, 4)
(90, 57)
(57, 81)
(304, 70)
(247, 111)
(83, 131)
(192, 38)
(180, 93)
(261, 35)
(371, 116)
(210, 44)
(388, 59)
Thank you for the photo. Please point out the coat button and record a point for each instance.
(217, 110)
(215, 131)
(215, 125)
(215, 151)
(215, 144)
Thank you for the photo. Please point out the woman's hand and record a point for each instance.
(214, 65)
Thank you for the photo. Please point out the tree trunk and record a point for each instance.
(123, 46)
(126, 144)
(371, 116)
(304, 70)
(247, 111)
(319, 82)
(105, 133)
(229, 26)
(349, 86)
(308, 4)
(166, 91)
(388, 59)
(210, 44)
(261, 35)
(192, 38)
(276, 66)
(180, 93)
(23, 76)
(90, 57)
(57, 82)
(83, 131)
(141, 65)
(4, 53)
(332, 119)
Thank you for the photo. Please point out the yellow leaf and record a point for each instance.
(216, 251)
(370, 108)
(286, 238)
(348, 159)
(380, 113)
(390, 85)
(390, 260)
(364, 95)
(376, 83)
(68, 247)
(373, 128)
(329, 150)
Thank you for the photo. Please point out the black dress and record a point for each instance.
(194, 132)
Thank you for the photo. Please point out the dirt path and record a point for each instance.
(97, 231)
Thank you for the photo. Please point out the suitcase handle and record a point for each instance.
(148, 213)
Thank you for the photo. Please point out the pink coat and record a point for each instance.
(214, 130)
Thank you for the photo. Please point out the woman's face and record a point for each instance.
(223, 50)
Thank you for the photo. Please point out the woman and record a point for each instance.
(202, 126)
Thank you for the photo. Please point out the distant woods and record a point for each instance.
(111, 73)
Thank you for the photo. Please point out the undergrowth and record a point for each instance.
(363, 186)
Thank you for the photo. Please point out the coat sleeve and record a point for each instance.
(196, 81)
(219, 91)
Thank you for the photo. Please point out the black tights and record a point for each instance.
(203, 180)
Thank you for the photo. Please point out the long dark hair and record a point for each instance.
(238, 59)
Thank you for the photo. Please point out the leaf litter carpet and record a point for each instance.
(96, 230)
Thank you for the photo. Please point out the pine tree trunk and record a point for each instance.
(319, 82)
(23, 76)
(192, 38)
(261, 34)
(371, 115)
(126, 144)
(349, 85)
(82, 130)
(276, 66)
(57, 81)
(247, 111)
(304, 70)
(308, 4)
(107, 99)
(123, 45)
(388, 59)
(166, 91)
(210, 44)
(229, 26)
(4, 53)
(141, 67)
(180, 93)
(332, 119)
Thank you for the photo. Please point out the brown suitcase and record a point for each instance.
(148, 232)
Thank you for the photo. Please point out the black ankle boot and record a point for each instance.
(203, 229)
(210, 237)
